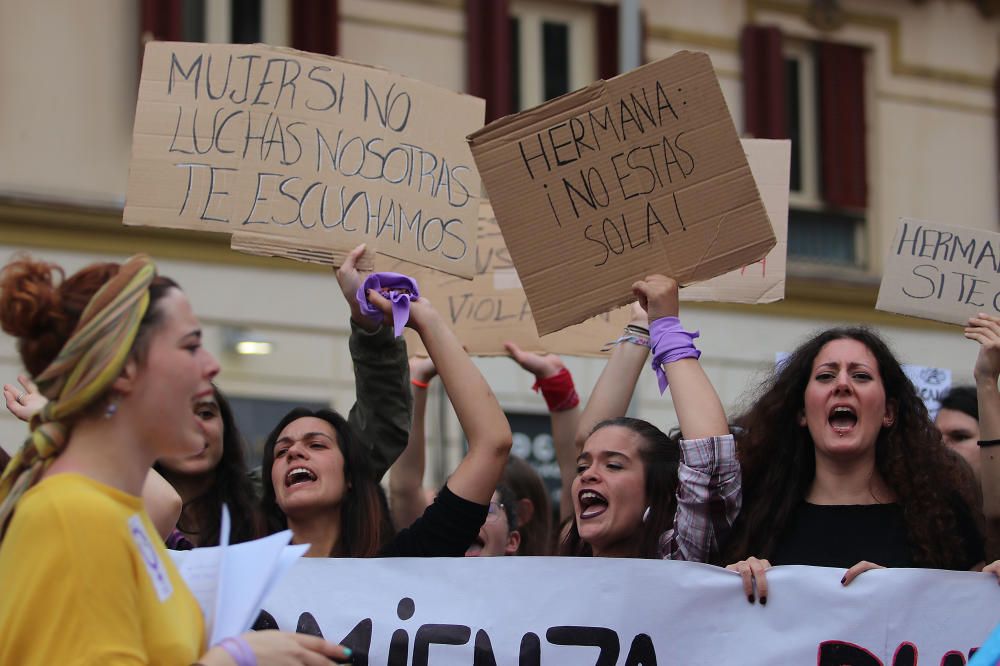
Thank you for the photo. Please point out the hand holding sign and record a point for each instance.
(349, 279)
(985, 329)
(657, 295)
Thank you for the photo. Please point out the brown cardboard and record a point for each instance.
(339, 153)
(763, 281)
(682, 201)
(941, 272)
(493, 309)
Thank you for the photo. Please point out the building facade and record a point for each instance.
(891, 107)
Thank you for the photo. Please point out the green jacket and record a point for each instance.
(383, 409)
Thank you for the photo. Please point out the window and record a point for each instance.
(552, 51)
(813, 93)
(817, 231)
(236, 21)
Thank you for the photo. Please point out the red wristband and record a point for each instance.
(558, 391)
(419, 384)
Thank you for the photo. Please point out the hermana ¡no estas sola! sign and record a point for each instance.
(640, 174)
(303, 156)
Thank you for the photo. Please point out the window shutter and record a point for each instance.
(764, 87)
(315, 26)
(607, 40)
(162, 20)
(488, 61)
(840, 74)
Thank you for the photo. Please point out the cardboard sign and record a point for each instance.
(493, 309)
(940, 272)
(303, 156)
(637, 175)
(763, 282)
(534, 611)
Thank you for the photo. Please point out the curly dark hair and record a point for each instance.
(778, 459)
(661, 455)
(365, 524)
(201, 516)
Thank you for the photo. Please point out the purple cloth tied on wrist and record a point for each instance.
(670, 343)
(398, 288)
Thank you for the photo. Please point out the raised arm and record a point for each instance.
(383, 407)
(709, 489)
(478, 411)
(985, 330)
(555, 382)
(613, 392)
(406, 478)
(698, 407)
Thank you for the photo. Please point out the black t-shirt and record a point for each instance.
(843, 535)
(446, 529)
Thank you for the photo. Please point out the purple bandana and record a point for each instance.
(670, 343)
(398, 288)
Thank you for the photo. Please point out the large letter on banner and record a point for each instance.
(542, 611)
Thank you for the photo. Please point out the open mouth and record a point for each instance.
(476, 548)
(592, 504)
(842, 419)
(299, 475)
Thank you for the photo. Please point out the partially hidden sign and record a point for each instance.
(303, 156)
(941, 272)
(493, 309)
(640, 174)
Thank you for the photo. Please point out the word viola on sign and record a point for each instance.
(492, 309)
(637, 175)
(535, 612)
(303, 156)
(941, 272)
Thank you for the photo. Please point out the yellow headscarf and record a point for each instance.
(86, 366)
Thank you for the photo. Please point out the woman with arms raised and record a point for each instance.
(842, 467)
(316, 472)
(638, 492)
(117, 352)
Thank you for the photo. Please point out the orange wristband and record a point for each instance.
(419, 384)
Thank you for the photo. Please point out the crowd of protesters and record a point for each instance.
(132, 448)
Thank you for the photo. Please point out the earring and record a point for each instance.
(112, 407)
(645, 514)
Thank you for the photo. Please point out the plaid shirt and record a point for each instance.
(709, 495)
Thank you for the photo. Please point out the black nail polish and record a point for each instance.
(843, 581)
(763, 601)
(750, 598)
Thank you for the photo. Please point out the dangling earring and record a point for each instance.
(112, 407)
(645, 514)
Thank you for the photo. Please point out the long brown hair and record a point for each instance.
(525, 483)
(364, 526)
(660, 455)
(778, 460)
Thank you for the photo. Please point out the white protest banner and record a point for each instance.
(539, 611)
(640, 174)
(941, 272)
(303, 156)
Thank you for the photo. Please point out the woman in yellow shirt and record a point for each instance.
(117, 352)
